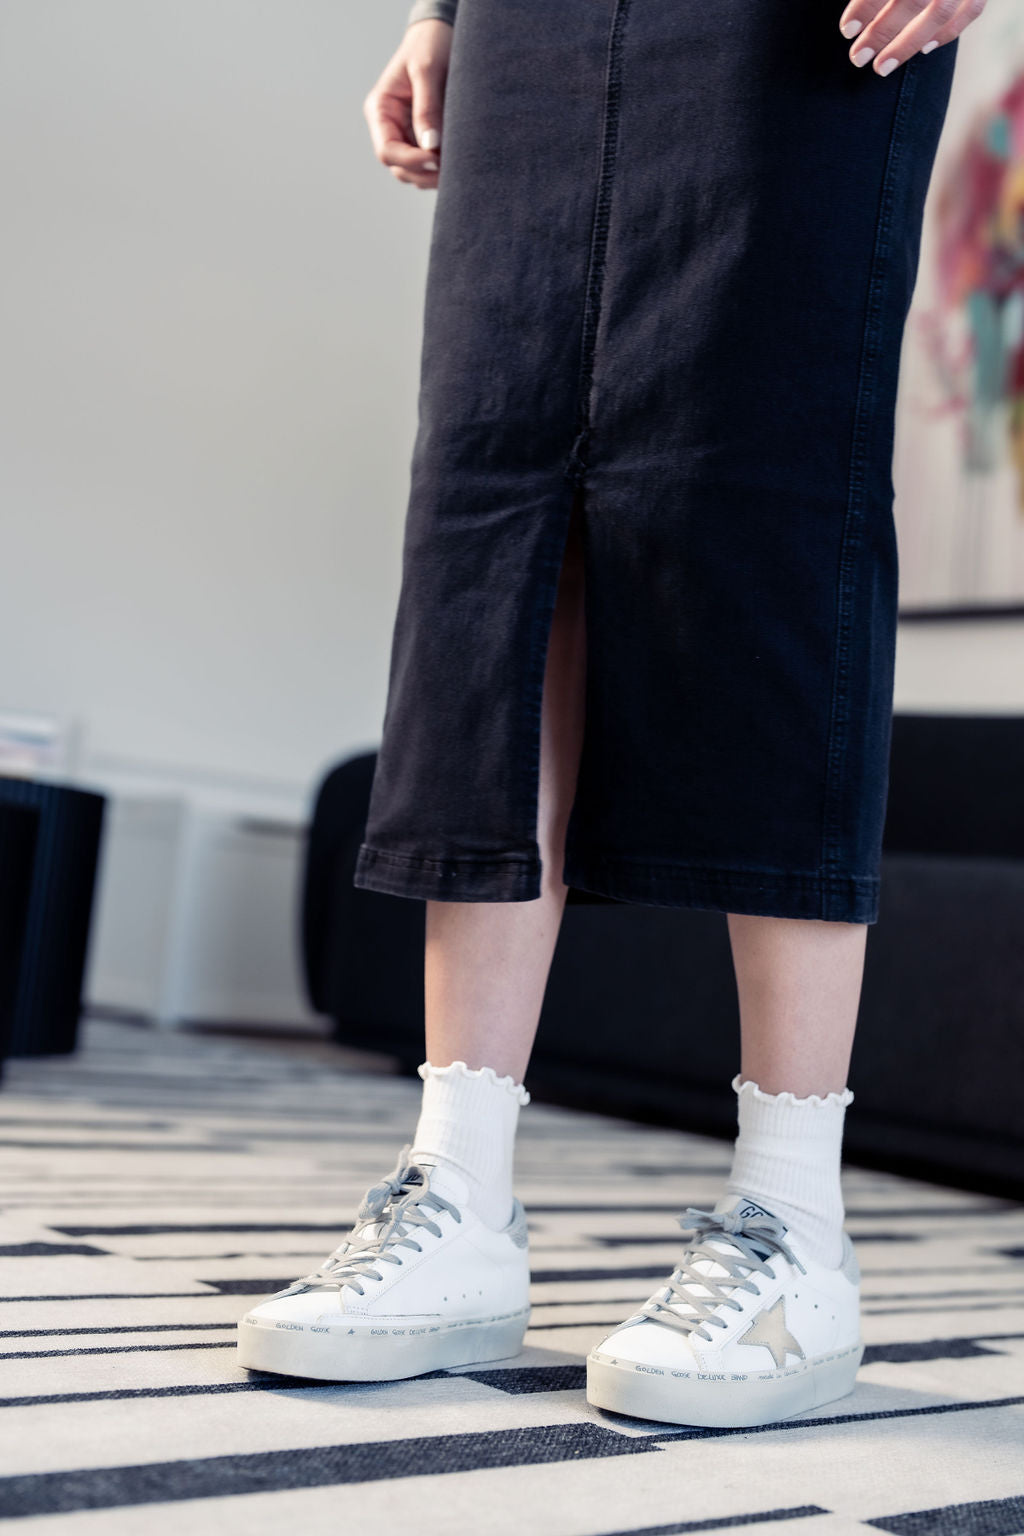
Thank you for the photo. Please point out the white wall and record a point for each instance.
(210, 313)
(963, 665)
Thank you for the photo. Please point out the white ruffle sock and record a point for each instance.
(787, 1158)
(468, 1119)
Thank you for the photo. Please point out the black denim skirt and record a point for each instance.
(673, 250)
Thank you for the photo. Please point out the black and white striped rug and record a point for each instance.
(153, 1183)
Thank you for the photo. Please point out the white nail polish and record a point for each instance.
(851, 28)
(429, 138)
(888, 67)
(863, 56)
(929, 46)
(430, 165)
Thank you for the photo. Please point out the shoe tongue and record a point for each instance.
(707, 1266)
(446, 1181)
(742, 1205)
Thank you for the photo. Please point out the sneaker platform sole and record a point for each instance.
(719, 1401)
(385, 1353)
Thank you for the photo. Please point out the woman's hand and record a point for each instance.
(404, 108)
(888, 32)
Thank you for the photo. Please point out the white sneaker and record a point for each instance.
(745, 1332)
(420, 1284)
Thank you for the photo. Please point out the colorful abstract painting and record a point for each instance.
(959, 466)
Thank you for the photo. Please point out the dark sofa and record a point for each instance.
(640, 1017)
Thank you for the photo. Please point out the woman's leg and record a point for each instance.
(486, 968)
(761, 1319)
(799, 990)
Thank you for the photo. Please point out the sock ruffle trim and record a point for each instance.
(427, 1069)
(790, 1100)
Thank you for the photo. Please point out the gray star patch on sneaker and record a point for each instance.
(769, 1328)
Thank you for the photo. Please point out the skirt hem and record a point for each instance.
(751, 892)
(516, 877)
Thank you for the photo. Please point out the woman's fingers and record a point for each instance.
(886, 33)
(388, 110)
(966, 12)
(403, 110)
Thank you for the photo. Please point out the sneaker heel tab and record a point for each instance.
(517, 1228)
(850, 1265)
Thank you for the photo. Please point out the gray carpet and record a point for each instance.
(151, 1185)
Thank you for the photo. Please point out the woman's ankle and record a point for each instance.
(468, 1120)
(787, 1156)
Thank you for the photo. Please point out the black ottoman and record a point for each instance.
(48, 991)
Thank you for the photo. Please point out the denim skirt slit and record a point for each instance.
(673, 250)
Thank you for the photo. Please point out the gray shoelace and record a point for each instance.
(753, 1242)
(401, 1201)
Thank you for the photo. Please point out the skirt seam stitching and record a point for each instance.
(596, 259)
(736, 876)
(527, 862)
(850, 539)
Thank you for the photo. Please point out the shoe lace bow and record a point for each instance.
(707, 1276)
(402, 1201)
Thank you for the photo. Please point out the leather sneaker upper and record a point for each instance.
(417, 1250)
(741, 1300)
